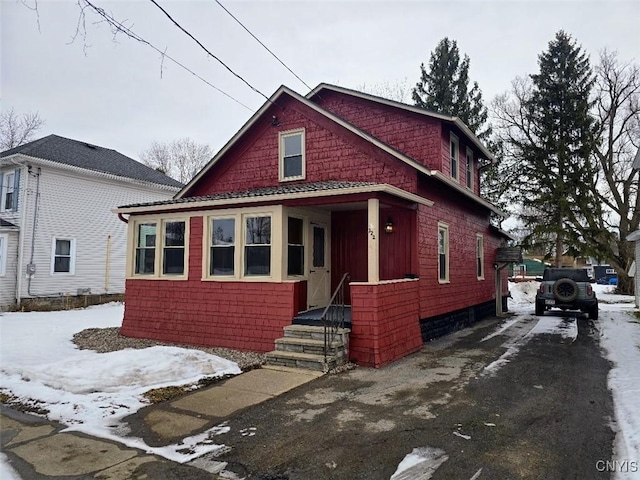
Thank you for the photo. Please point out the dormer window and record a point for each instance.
(292, 164)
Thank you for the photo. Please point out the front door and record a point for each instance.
(319, 285)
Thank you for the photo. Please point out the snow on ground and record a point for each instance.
(619, 327)
(88, 391)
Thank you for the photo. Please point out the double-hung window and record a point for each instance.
(146, 248)
(443, 253)
(292, 155)
(160, 248)
(295, 246)
(8, 200)
(454, 154)
(63, 252)
(257, 245)
(223, 247)
(173, 248)
(469, 168)
(480, 256)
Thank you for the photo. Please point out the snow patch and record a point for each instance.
(420, 464)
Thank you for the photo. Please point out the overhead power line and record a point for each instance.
(265, 47)
(208, 52)
(119, 27)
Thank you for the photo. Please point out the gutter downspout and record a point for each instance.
(33, 233)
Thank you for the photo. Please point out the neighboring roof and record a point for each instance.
(281, 192)
(4, 223)
(84, 155)
(634, 236)
(410, 108)
(366, 136)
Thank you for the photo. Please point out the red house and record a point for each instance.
(310, 189)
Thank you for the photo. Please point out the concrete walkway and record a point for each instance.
(38, 449)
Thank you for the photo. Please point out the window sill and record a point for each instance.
(292, 179)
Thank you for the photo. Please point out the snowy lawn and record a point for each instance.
(88, 391)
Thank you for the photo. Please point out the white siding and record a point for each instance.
(636, 279)
(79, 207)
(8, 280)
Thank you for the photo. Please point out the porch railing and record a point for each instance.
(333, 318)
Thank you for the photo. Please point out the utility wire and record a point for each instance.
(208, 52)
(119, 27)
(265, 47)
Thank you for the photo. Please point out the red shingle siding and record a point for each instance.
(464, 289)
(386, 325)
(332, 153)
(241, 315)
(415, 135)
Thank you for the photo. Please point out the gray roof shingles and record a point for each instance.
(261, 192)
(90, 157)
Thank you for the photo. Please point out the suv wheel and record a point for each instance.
(565, 290)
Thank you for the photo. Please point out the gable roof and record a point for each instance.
(352, 128)
(409, 108)
(86, 156)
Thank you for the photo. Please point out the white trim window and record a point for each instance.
(63, 256)
(454, 156)
(163, 255)
(470, 168)
(145, 258)
(443, 253)
(4, 242)
(291, 154)
(480, 256)
(222, 249)
(8, 200)
(257, 245)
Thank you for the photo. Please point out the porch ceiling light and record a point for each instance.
(388, 227)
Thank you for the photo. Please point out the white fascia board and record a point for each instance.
(20, 158)
(383, 188)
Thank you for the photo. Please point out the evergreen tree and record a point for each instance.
(558, 182)
(445, 88)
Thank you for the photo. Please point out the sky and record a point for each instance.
(119, 93)
(91, 392)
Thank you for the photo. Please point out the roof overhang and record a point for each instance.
(204, 202)
(503, 233)
(409, 108)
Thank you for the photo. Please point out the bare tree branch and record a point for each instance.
(17, 129)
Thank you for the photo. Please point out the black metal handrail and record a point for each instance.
(333, 317)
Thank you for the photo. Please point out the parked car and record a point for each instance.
(608, 280)
(567, 289)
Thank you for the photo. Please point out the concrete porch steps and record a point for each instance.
(303, 347)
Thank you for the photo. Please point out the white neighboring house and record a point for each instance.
(635, 237)
(58, 235)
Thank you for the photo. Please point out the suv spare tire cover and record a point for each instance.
(565, 290)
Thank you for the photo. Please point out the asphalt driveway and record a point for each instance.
(487, 412)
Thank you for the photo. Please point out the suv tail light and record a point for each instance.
(542, 288)
(589, 290)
